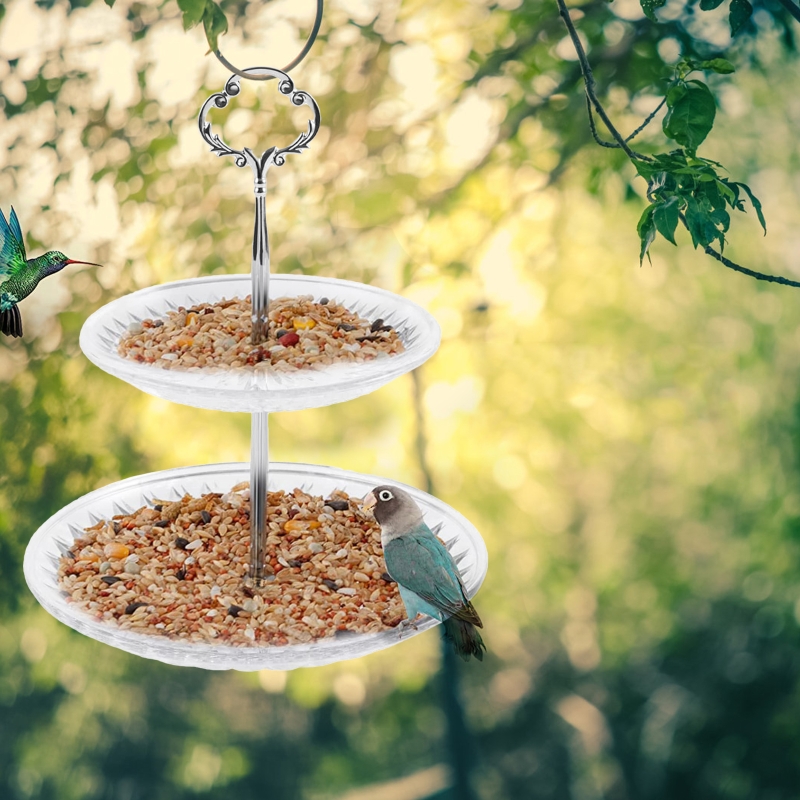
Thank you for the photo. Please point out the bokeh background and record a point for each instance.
(626, 438)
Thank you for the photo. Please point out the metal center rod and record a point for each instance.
(259, 269)
(259, 429)
(259, 474)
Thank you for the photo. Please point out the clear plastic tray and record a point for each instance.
(245, 389)
(57, 534)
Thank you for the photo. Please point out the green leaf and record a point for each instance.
(215, 23)
(649, 7)
(703, 223)
(647, 232)
(713, 195)
(676, 93)
(665, 218)
(727, 192)
(707, 162)
(721, 217)
(192, 12)
(644, 169)
(691, 114)
(719, 65)
(110, 3)
(708, 5)
(694, 221)
(741, 11)
(756, 205)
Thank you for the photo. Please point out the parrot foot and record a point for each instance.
(408, 623)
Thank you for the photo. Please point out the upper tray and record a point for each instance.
(245, 389)
(57, 534)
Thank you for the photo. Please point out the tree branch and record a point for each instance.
(421, 443)
(648, 120)
(593, 128)
(591, 86)
(460, 739)
(592, 101)
(759, 276)
(791, 8)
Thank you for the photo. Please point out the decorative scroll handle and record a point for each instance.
(259, 447)
(274, 155)
(260, 165)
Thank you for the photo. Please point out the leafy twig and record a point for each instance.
(680, 181)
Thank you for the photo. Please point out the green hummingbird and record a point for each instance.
(19, 276)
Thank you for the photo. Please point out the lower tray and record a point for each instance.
(56, 535)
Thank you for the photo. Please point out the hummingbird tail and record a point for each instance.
(11, 322)
(464, 637)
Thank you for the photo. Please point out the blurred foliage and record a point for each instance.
(625, 438)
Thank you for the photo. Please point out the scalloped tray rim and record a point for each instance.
(146, 373)
(240, 657)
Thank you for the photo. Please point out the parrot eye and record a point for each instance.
(385, 495)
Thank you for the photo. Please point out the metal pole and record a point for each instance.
(259, 269)
(259, 473)
(259, 428)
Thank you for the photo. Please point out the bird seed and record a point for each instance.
(302, 334)
(189, 581)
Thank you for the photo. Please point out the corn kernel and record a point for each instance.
(185, 341)
(87, 554)
(116, 550)
(191, 318)
(301, 524)
(303, 324)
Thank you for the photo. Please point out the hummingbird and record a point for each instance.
(19, 276)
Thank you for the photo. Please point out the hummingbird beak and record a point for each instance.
(369, 502)
(73, 261)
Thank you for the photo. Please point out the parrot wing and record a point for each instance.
(419, 562)
(12, 246)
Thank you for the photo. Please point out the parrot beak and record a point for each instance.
(369, 502)
(90, 263)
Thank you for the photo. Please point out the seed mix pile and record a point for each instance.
(302, 334)
(179, 569)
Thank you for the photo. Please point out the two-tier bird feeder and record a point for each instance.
(183, 520)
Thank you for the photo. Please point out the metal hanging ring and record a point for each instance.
(291, 65)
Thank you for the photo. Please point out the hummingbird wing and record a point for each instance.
(17, 231)
(12, 247)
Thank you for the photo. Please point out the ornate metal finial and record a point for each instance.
(273, 155)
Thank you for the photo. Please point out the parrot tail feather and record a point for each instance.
(11, 322)
(464, 637)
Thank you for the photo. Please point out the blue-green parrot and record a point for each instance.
(426, 573)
